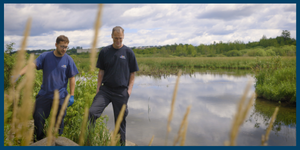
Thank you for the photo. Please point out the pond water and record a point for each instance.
(213, 97)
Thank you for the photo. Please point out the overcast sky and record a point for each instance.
(147, 24)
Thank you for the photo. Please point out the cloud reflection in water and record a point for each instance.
(214, 101)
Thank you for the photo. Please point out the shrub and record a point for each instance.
(233, 53)
(276, 81)
(256, 52)
(85, 91)
(260, 52)
(9, 61)
(270, 52)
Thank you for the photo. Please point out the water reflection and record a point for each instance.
(213, 96)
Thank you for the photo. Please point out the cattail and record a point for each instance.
(97, 26)
(172, 106)
(151, 140)
(265, 138)
(52, 118)
(113, 140)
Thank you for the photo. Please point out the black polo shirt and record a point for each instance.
(117, 65)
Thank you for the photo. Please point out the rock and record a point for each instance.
(60, 141)
(128, 143)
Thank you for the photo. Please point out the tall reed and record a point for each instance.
(172, 106)
(113, 140)
(240, 116)
(265, 137)
(27, 104)
(61, 114)
(21, 53)
(50, 133)
(97, 26)
(83, 126)
(183, 128)
(183, 136)
(150, 143)
(92, 69)
(13, 95)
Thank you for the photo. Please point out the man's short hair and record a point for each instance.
(62, 38)
(117, 28)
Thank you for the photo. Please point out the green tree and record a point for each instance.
(263, 41)
(285, 34)
(9, 47)
(163, 51)
(9, 61)
(180, 50)
(191, 50)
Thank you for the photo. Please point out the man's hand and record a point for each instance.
(16, 77)
(71, 100)
(129, 92)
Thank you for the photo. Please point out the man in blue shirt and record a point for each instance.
(58, 67)
(117, 66)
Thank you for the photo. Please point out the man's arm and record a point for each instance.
(72, 85)
(131, 81)
(100, 77)
(23, 71)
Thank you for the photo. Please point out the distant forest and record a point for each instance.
(282, 45)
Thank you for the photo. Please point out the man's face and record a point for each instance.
(61, 48)
(117, 39)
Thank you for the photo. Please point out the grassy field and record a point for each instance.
(163, 65)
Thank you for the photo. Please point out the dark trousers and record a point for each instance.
(118, 97)
(41, 113)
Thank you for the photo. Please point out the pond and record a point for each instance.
(213, 97)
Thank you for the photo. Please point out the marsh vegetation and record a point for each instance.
(275, 80)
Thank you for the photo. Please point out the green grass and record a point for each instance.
(276, 79)
(162, 64)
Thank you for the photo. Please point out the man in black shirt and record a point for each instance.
(117, 64)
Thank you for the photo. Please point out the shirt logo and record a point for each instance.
(64, 66)
(122, 57)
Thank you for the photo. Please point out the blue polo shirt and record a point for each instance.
(56, 72)
(117, 65)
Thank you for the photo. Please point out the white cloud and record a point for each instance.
(139, 11)
(149, 24)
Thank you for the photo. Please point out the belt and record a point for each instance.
(116, 88)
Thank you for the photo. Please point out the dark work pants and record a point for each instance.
(41, 113)
(118, 97)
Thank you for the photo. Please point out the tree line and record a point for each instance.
(282, 45)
